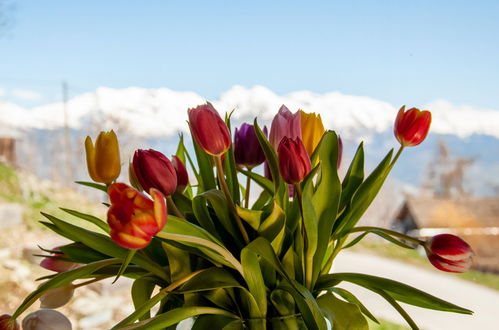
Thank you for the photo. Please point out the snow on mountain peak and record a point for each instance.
(163, 112)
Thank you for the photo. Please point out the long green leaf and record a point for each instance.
(253, 276)
(142, 289)
(262, 181)
(230, 168)
(206, 177)
(90, 218)
(348, 296)
(398, 291)
(353, 178)
(341, 314)
(98, 186)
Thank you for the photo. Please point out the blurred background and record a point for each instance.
(70, 69)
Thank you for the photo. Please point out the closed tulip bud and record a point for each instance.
(46, 319)
(340, 152)
(103, 158)
(312, 130)
(209, 130)
(154, 170)
(56, 262)
(182, 176)
(8, 323)
(412, 126)
(57, 297)
(449, 253)
(134, 182)
(247, 150)
(294, 163)
(133, 217)
(284, 124)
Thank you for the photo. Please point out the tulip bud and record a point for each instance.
(284, 124)
(57, 297)
(103, 159)
(8, 323)
(412, 126)
(449, 253)
(294, 163)
(209, 130)
(58, 265)
(312, 130)
(46, 319)
(340, 152)
(132, 178)
(154, 170)
(134, 218)
(247, 150)
(182, 176)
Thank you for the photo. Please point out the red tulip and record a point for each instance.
(412, 126)
(154, 170)
(449, 253)
(294, 163)
(8, 323)
(209, 130)
(134, 218)
(182, 176)
(58, 265)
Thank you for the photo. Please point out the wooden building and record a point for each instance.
(476, 220)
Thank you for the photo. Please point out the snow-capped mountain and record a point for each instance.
(153, 117)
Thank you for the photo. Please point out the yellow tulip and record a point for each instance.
(312, 130)
(103, 158)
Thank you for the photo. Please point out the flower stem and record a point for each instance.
(306, 270)
(399, 152)
(173, 207)
(230, 201)
(97, 279)
(391, 233)
(247, 192)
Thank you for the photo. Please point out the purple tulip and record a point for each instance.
(247, 149)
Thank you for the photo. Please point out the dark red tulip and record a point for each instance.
(58, 265)
(8, 323)
(247, 150)
(412, 126)
(449, 253)
(340, 152)
(294, 163)
(154, 170)
(133, 217)
(182, 176)
(209, 130)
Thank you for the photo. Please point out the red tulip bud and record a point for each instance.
(57, 297)
(294, 163)
(340, 152)
(8, 323)
(46, 319)
(412, 126)
(182, 176)
(134, 218)
(56, 264)
(154, 170)
(209, 130)
(449, 253)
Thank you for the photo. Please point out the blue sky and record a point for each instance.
(403, 52)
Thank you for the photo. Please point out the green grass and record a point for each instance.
(413, 257)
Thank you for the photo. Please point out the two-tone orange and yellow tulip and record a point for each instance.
(312, 130)
(103, 158)
(133, 217)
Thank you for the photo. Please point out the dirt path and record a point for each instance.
(483, 301)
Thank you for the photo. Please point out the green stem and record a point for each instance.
(173, 207)
(399, 152)
(247, 192)
(230, 201)
(389, 232)
(97, 279)
(306, 270)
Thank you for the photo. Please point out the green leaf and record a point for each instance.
(273, 228)
(125, 264)
(399, 309)
(206, 177)
(181, 154)
(90, 218)
(98, 186)
(203, 215)
(364, 196)
(342, 315)
(62, 279)
(178, 260)
(326, 198)
(252, 217)
(80, 253)
(253, 276)
(348, 296)
(262, 200)
(398, 291)
(262, 181)
(101, 243)
(142, 289)
(353, 178)
(175, 316)
(383, 234)
(207, 321)
(231, 169)
(283, 302)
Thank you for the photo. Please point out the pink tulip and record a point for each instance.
(449, 253)
(284, 124)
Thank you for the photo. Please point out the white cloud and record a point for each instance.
(25, 94)
(2, 92)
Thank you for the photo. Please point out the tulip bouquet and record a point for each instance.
(203, 249)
